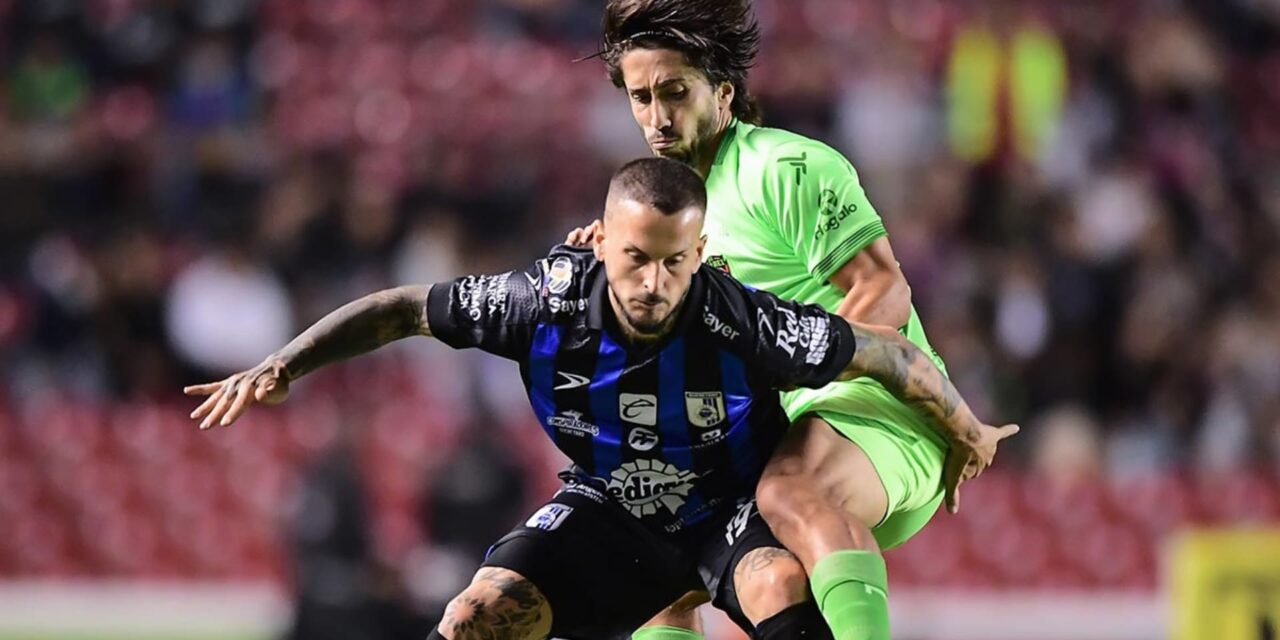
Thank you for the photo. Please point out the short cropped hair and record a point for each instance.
(667, 185)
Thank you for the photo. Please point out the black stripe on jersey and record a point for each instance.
(638, 409)
(706, 434)
(577, 427)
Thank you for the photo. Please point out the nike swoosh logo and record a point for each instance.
(574, 381)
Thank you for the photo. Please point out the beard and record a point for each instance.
(699, 147)
(651, 327)
(646, 330)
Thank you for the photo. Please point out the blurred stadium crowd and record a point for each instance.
(1085, 197)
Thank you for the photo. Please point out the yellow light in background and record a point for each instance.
(1226, 585)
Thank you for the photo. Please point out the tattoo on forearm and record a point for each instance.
(357, 327)
(497, 606)
(911, 377)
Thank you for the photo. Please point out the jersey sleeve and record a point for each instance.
(818, 204)
(800, 345)
(495, 313)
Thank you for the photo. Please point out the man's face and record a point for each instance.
(677, 107)
(649, 260)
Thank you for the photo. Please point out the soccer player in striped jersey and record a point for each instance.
(658, 377)
(859, 472)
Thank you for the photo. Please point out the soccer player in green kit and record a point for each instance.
(859, 472)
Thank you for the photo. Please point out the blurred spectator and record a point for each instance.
(1067, 450)
(472, 501)
(203, 332)
(47, 84)
(333, 554)
(1085, 197)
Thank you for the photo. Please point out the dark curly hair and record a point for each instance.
(719, 37)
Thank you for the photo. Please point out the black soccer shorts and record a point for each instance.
(605, 574)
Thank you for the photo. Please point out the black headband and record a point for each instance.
(649, 33)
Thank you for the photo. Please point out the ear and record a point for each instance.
(724, 94)
(597, 242)
(702, 248)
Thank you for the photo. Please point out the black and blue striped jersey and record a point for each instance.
(676, 431)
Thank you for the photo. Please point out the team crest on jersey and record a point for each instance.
(704, 408)
(559, 276)
(645, 486)
(719, 262)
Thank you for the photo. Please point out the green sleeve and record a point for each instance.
(813, 195)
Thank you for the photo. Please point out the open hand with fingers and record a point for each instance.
(267, 383)
(969, 457)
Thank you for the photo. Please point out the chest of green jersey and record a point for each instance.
(748, 248)
(743, 244)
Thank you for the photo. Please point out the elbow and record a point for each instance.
(901, 297)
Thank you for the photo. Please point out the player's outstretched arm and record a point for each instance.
(357, 327)
(885, 356)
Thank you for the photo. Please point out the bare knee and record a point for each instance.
(786, 501)
(769, 580)
(499, 603)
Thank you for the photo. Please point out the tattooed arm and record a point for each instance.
(890, 359)
(358, 327)
(883, 355)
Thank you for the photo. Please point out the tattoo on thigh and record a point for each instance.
(759, 560)
(497, 606)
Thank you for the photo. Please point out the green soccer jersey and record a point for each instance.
(784, 213)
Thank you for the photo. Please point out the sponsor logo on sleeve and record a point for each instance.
(478, 294)
(645, 486)
(833, 215)
(559, 276)
(810, 333)
(817, 333)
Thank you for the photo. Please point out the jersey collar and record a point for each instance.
(730, 132)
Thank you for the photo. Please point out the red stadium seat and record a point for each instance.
(1236, 498)
(1155, 503)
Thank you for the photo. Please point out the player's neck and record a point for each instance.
(708, 156)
